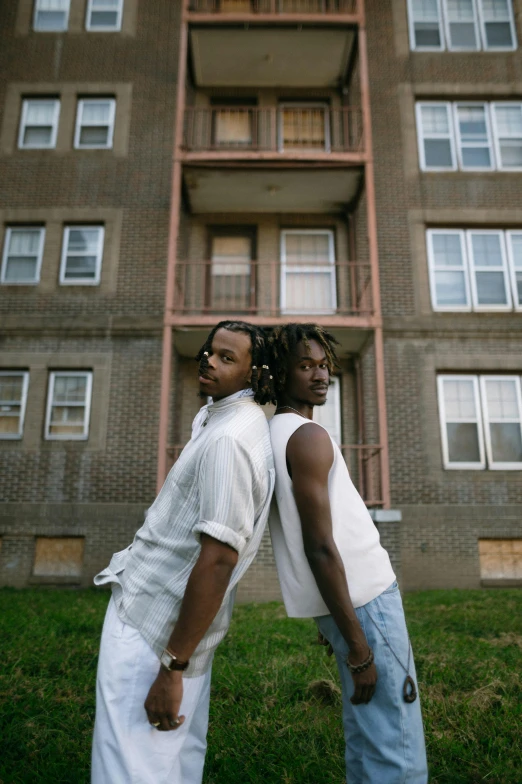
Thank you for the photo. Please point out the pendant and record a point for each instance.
(409, 692)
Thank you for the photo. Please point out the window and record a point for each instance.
(500, 561)
(308, 272)
(461, 25)
(470, 136)
(95, 123)
(481, 421)
(51, 15)
(68, 406)
(59, 557)
(22, 257)
(233, 126)
(82, 255)
(230, 273)
(13, 396)
(104, 15)
(329, 415)
(39, 123)
(475, 270)
(304, 127)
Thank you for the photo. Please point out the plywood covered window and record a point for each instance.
(308, 282)
(304, 127)
(231, 272)
(500, 559)
(60, 557)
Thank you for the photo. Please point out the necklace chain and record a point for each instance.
(291, 409)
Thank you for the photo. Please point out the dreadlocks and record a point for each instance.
(262, 382)
(283, 344)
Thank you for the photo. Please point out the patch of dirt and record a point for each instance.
(325, 691)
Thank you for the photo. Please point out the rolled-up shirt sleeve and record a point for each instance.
(226, 486)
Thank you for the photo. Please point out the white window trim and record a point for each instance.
(447, 30)
(482, 23)
(23, 402)
(63, 29)
(87, 405)
(23, 123)
(517, 303)
(79, 125)
(481, 465)
(432, 269)
(492, 465)
(473, 270)
(333, 400)
(304, 105)
(310, 269)
(411, 24)
(115, 29)
(420, 136)
(496, 136)
(5, 254)
(490, 143)
(99, 257)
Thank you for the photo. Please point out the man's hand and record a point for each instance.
(164, 700)
(364, 683)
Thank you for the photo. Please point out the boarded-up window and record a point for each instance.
(58, 556)
(500, 559)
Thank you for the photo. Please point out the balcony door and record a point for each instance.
(304, 126)
(329, 415)
(230, 281)
(308, 272)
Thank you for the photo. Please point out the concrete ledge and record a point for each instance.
(386, 515)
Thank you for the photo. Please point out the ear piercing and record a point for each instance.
(205, 353)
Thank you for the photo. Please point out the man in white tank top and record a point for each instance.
(332, 567)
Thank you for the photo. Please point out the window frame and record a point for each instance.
(433, 268)
(411, 26)
(458, 138)
(491, 464)
(23, 403)
(99, 256)
(517, 301)
(472, 270)
(88, 15)
(421, 138)
(476, 26)
(87, 405)
(62, 30)
(79, 124)
(331, 259)
(5, 256)
(482, 26)
(496, 137)
(23, 124)
(447, 464)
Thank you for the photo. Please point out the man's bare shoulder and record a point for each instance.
(310, 448)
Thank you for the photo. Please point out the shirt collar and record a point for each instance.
(206, 411)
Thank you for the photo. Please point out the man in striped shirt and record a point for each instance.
(173, 588)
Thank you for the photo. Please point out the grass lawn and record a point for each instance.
(268, 722)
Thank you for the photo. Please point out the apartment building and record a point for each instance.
(165, 165)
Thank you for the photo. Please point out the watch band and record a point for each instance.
(171, 662)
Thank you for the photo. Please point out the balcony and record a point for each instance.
(314, 132)
(271, 43)
(363, 461)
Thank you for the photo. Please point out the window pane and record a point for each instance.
(463, 442)
(450, 288)
(24, 242)
(497, 24)
(40, 112)
(303, 128)
(21, 270)
(476, 158)
(459, 399)
(435, 120)
(438, 153)
(91, 136)
(473, 131)
(37, 137)
(69, 389)
(506, 442)
(80, 267)
(104, 19)
(511, 155)
(426, 23)
(50, 21)
(231, 255)
(309, 292)
(83, 240)
(307, 249)
(502, 398)
(447, 250)
(233, 126)
(486, 250)
(11, 390)
(106, 4)
(516, 255)
(96, 113)
(491, 288)
(461, 18)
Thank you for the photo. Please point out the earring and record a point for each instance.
(205, 353)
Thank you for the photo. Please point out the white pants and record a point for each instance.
(126, 748)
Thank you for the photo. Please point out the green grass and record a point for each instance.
(268, 723)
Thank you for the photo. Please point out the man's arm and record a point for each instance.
(309, 455)
(204, 594)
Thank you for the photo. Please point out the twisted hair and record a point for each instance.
(262, 382)
(283, 345)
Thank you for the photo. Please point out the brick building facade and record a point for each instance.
(164, 165)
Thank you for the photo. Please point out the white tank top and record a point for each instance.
(366, 562)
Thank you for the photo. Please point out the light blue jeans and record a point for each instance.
(385, 738)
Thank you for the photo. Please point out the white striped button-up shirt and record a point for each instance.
(221, 485)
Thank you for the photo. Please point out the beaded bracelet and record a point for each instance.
(355, 669)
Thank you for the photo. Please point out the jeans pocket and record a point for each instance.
(393, 587)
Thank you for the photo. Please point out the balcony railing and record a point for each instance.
(363, 461)
(282, 7)
(293, 132)
(273, 289)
